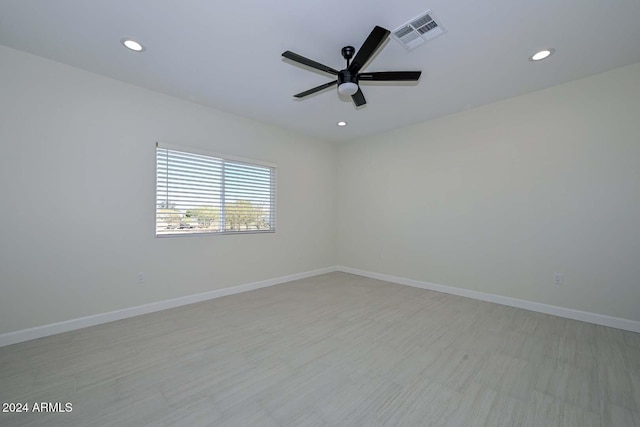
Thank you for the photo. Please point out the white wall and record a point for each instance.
(77, 176)
(498, 198)
(494, 199)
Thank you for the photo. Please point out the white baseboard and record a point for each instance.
(83, 322)
(585, 316)
(96, 319)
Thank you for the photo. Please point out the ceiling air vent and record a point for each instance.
(419, 30)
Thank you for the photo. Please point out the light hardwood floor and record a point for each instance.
(336, 350)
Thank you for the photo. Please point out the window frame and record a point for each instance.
(224, 158)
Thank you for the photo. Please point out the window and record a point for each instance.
(197, 193)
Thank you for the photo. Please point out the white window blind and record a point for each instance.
(203, 194)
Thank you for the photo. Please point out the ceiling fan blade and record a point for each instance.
(358, 98)
(308, 62)
(315, 89)
(386, 76)
(369, 48)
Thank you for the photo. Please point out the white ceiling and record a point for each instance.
(227, 55)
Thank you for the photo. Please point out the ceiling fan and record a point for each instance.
(349, 78)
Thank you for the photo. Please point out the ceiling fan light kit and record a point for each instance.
(348, 88)
(348, 79)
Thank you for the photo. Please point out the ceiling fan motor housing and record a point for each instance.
(347, 82)
(345, 76)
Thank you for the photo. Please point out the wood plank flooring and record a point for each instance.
(331, 350)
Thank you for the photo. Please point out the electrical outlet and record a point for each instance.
(558, 279)
(140, 278)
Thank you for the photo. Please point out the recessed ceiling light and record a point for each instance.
(342, 124)
(132, 44)
(543, 54)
